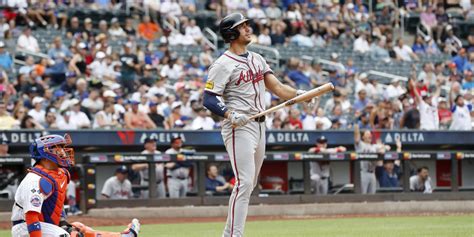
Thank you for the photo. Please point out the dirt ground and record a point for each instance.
(94, 221)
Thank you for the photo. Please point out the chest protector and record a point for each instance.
(53, 185)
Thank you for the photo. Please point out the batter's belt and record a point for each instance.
(260, 119)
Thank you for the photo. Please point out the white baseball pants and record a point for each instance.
(47, 230)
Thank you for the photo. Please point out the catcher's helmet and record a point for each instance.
(53, 148)
(228, 25)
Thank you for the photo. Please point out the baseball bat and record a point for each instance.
(328, 87)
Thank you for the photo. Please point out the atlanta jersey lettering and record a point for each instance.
(239, 81)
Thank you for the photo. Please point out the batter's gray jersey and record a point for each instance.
(239, 81)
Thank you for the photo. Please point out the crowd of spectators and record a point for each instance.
(86, 83)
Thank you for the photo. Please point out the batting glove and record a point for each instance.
(238, 119)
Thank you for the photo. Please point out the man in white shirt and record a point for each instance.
(38, 112)
(28, 42)
(394, 90)
(77, 116)
(99, 66)
(361, 45)
(172, 70)
(404, 52)
(264, 38)
(202, 121)
(170, 8)
(461, 115)
(256, 13)
(118, 186)
(421, 182)
(428, 107)
(65, 122)
(193, 31)
(93, 103)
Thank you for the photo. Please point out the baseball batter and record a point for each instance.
(235, 90)
(39, 200)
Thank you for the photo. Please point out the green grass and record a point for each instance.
(422, 226)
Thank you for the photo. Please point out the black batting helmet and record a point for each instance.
(228, 25)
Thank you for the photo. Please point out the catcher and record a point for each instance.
(39, 200)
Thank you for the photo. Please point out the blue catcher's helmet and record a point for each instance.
(53, 148)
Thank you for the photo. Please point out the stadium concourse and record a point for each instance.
(126, 72)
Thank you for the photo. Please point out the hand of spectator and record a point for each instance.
(398, 143)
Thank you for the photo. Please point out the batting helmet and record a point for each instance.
(53, 148)
(228, 25)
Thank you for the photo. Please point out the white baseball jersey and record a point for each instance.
(461, 118)
(28, 196)
(239, 81)
(429, 119)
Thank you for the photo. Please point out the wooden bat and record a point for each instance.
(328, 87)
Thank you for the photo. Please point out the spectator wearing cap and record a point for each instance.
(99, 67)
(130, 67)
(157, 118)
(444, 113)
(148, 30)
(118, 186)
(115, 30)
(203, 121)
(38, 113)
(175, 118)
(150, 149)
(388, 173)
(106, 118)
(404, 52)
(134, 119)
(461, 113)
(77, 116)
(6, 62)
(28, 42)
(4, 146)
(178, 172)
(428, 107)
(320, 170)
(6, 120)
(452, 43)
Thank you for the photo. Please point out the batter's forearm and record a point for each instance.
(285, 92)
